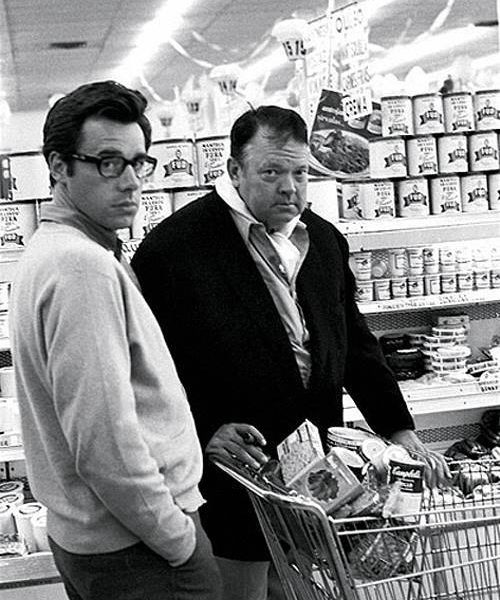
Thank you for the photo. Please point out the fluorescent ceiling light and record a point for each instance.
(274, 60)
(425, 46)
(155, 33)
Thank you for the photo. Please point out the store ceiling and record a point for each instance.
(215, 31)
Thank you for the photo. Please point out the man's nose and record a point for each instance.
(287, 184)
(129, 179)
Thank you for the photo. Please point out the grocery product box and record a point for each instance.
(298, 450)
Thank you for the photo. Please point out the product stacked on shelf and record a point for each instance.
(437, 155)
(426, 270)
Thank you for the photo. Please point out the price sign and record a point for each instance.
(350, 33)
(358, 103)
(354, 78)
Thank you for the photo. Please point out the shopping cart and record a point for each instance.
(450, 550)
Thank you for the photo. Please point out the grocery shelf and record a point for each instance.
(430, 302)
(424, 400)
(23, 571)
(401, 232)
(11, 454)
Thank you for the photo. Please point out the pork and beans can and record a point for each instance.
(17, 224)
(212, 154)
(458, 112)
(397, 116)
(483, 151)
(350, 207)
(176, 164)
(412, 197)
(421, 153)
(377, 199)
(487, 109)
(494, 191)
(154, 207)
(428, 113)
(387, 157)
(452, 153)
(474, 192)
(445, 195)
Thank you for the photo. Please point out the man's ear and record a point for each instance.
(58, 167)
(233, 169)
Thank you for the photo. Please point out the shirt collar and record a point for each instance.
(62, 210)
(229, 194)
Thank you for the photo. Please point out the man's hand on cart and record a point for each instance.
(437, 471)
(238, 441)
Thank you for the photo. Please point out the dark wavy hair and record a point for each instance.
(109, 99)
(280, 123)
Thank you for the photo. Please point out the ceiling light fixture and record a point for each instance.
(154, 33)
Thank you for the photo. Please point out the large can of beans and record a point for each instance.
(445, 195)
(412, 197)
(397, 116)
(483, 151)
(494, 191)
(474, 192)
(487, 109)
(428, 113)
(212, 154)
(377, 199)
(350, 207)
(154, 207)
(421, 152)
(452, 153)
(176, 164)
(387, 157)
(17, 224)
(458, 112)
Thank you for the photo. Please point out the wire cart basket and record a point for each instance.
(449, 550)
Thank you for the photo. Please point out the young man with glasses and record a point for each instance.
(110, 441)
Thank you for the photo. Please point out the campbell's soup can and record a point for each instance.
(445, 194)
(397, 116)
(176, 164)
(494, 191)
(183, 197)
(387, 157)
(458, 112)
(483, 151)
(428, 113)
(154, 207)
(377, 199)
(17, 224)
(29, 176)
(350, 207)
(412, 197)
(487, 109)
(421, 152)
(474, 192)
(212, 154)
(452, 153)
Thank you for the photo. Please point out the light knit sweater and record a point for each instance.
(110, 441)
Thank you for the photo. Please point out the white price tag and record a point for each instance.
(351, 79)
(357, 104)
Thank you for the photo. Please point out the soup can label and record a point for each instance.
(445, 195)
(452, 153)
(387, 157)
(412, 197)
(176, 164)
(155, 206)
(483, 151)
(17, 224)
(377, 200)
(474, 191)
(421, 152)
(487, 109)
(397, 116)
(212, 154)
(494, 191)
(458, 112)
(428, 113)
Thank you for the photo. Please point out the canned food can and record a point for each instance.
(412, 197)
(350, 205)
(481, 279)
(212, 154)
(4, 294)
(447, 259)
(387, 157)
(364, 291)
(176, 164)
(398, 262)
(458, 112)
(432, 284)
(382, 289)
(415, 260)
(4, 324)
(347, 437)
(428, 113)
(448, 283)
(495, 278)
(415, 285)
(182, 197)
(445, 195)
(483, 151)
(464, 281)
(431, 260)
(421, 153)
(29, 176)
(494, 191)
(474, 191)
(17, 224)
(452, 153)
(154, 207)
(487, 109)
(397, 116)
(377, 200)
(399, 287)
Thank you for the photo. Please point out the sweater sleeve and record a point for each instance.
(89, 368)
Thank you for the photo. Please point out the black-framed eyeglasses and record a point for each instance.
(113, 166)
